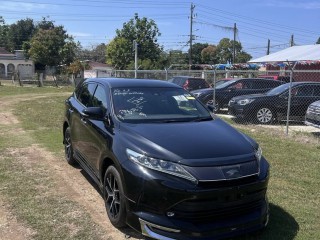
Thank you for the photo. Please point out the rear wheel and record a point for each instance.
(68, 150)
(114, 197)
(264, 115)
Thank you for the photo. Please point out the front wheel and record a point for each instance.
(114, 197)
(68, 150)
(264, 115)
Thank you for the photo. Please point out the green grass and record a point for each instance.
(293, 188)
(28, 187)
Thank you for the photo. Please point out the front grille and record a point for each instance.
(200, 211)
(227, 183)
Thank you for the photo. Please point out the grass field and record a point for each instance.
(293, 188)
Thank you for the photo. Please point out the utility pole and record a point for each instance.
(191, 35)
(234, 43)
(291, 41)
(135, 47)
(268, 48)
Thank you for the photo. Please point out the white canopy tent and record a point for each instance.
(292, 54)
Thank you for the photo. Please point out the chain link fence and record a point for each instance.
(251, 97)
(246, 96)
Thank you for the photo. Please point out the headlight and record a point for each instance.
(258, 153)
(160, 165)
(245, 101)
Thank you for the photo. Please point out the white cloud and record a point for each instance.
(13, 6)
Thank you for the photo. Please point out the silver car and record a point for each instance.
(313, 115)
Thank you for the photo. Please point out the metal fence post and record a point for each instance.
(289, 98)
(214, 88)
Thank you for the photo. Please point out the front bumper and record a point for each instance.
(313, 118)
(166, 208)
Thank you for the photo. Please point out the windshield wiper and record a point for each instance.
(200, 119)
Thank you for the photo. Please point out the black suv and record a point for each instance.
(313, 115)
(189, 83)
(165, 165)
(273, 105)
(233, 88)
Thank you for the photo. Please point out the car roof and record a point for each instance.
(188, 77)
(132, 82)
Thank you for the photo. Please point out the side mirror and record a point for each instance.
(211, 107)
(93, 112)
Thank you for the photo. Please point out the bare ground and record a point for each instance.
(71, 183)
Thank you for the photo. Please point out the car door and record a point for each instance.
(98, 135)
(78, 125)
(302, 97)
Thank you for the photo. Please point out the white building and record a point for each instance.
(15, 63)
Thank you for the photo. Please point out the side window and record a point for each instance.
(304, 91)
(86, 94)
(316, 91)
(237, 85)
(260, 84)
(247, 85)
(100, 98)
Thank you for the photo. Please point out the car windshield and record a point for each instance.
(149, 104)
(226, 84)
(278, 90)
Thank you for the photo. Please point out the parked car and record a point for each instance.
(190, 83)
(313, 115)
(277, 77)
(265, 108)
(233, 88)
(166, 166)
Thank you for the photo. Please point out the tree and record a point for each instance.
(52, 47)
(20, 32)
(209, 55)
(145, 32)
(3, 33)
(196, 52)
(97, 53)
(119, 52)
(318, 41)
(225, 52)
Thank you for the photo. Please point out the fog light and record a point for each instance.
(170, 214)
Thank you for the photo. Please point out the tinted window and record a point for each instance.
(156, 104)
(303, 91)
(86, 93)
(100, 98)
(316, 91)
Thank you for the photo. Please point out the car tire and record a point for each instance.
(264, 115)
(68, 149)
(114, 197)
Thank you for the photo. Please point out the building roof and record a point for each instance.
(99, 65)
(292, 54)
(4, 52)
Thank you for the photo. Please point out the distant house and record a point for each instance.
(98, 70)
(11, 63)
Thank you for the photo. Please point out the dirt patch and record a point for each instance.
(71, 183)
(10, 228)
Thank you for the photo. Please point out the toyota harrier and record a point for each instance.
(166, 166)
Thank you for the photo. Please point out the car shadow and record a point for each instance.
(281, 225)
(127, 231)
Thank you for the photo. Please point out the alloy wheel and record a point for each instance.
(264, 115)
(113, 202)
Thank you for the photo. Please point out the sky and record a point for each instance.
(92, 22)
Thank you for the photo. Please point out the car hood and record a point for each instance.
(206, 143)
(250, 96)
